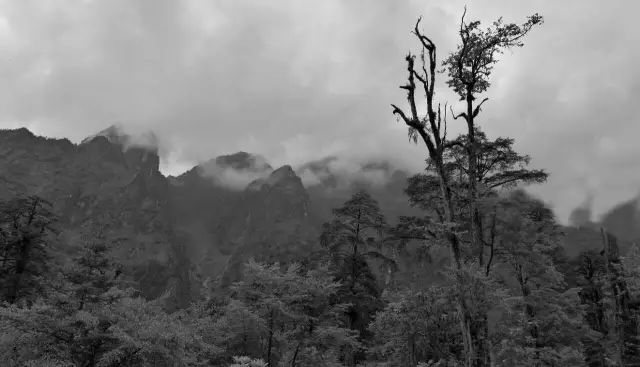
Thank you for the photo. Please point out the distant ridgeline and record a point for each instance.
(173, 233)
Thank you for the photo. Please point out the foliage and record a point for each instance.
(26, 229)
(247, 362)
(88, 321)
(507, 295)
(285, 317)
(417, 326)
(470, 66)
(541, 321)
(355, 238)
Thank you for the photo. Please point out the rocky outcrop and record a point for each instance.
(107, 183)
(268, 220)
(175, 232)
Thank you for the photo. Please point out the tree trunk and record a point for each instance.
(21, 266)
(480, 328)
(295, 354)
(270, 341)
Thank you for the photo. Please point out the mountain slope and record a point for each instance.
(100, 183)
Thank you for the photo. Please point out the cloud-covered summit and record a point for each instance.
(297, 81)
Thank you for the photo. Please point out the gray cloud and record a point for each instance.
(296, 81)
(235, 177)
(343, 173)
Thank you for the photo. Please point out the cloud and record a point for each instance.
(235, 171)
(231, 178)
(342, 173)
(298, 81)
(127, 138)
(582, 214)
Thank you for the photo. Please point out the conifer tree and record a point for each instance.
(355, 236)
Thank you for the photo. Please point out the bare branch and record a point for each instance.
(461, 114)
(476, 111)
(398, 111)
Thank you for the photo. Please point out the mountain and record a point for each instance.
(100, 183)
(622, 221)
(174, 234)
(171, 233)
(330, 182)
(223, 225)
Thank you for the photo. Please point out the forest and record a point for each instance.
(505, 291)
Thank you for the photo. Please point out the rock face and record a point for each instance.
(171, 233)
(624, 221)
(331, 182)
(222, 225)
(102, 183)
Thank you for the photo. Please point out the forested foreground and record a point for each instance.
(506, 294)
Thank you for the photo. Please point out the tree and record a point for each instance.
(357, 234)
(88, 320)
(248, 362)
(590, 280)
(285, 316)
(541, 323)
(469, 69)
(499, 168)
(238, 331)
(417, 327)
(610, 292)
(26, 226)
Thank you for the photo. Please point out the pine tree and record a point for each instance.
(354, 238)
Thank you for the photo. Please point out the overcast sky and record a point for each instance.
(298, 80)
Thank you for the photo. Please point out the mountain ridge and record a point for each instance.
(200, 226)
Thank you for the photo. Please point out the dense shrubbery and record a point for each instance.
(335, 313)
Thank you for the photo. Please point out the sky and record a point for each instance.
(298, 80)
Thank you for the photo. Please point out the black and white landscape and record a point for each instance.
(242, 183)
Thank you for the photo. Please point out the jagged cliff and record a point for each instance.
(103, 182)
(170, 233)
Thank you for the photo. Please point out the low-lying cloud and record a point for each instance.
(298, 81)
(235, 176)
(341, 174)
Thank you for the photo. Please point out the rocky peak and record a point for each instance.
(624, 220)
(282, 174)
(24, 137)
(283, 178)
(17, 134)
(282, 194)
(115, 134)
(139, 151)
(234, 171)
